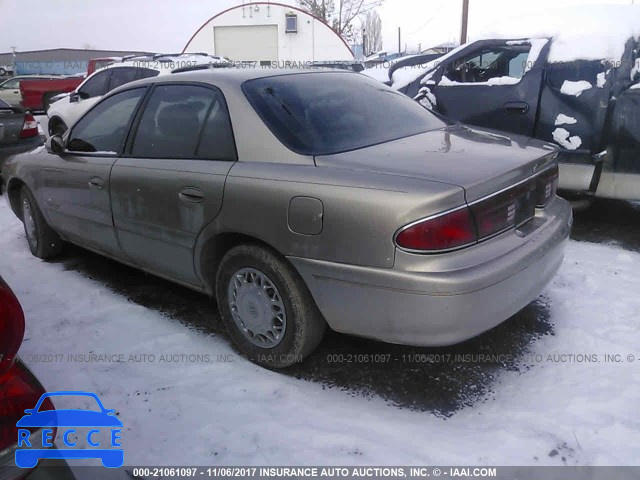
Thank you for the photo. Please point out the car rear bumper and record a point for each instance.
(437, 300)
(22, 146)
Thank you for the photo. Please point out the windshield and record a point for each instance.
(327, 113)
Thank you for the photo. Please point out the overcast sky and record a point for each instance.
(166, 25)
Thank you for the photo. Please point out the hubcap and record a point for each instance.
(257, 307)
(29, 224)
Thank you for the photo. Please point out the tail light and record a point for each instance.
(30, 127)
(449, 231)
(19, 390)
(547, 185)
(482, 219)
(11, 327)
(505, 210)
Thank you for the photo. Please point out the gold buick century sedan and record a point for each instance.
(300, 200)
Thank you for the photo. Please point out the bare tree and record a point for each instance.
(373, 29)
(341, 15)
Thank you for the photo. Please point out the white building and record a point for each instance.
(269, 31)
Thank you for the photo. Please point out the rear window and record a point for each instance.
(327, 113)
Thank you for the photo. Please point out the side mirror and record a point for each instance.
(74, 97)
(55, 145)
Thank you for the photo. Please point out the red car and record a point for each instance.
(37, 94)
(19, 390)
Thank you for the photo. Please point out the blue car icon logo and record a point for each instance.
(32, 447)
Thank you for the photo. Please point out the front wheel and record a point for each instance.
(266, 307)
(43, 241)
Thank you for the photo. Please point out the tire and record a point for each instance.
(264, 300)
(42, 240)
(57, 127)
(3, 72)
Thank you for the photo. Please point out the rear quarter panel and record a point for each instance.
(361, 211)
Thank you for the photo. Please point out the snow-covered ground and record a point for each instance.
(557, 408)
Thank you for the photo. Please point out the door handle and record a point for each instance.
(191, 195)
(518, 108)
(96, 182)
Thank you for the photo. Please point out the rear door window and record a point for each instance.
(96, 85)
(147, 73)
(121, 76)
(185, 121)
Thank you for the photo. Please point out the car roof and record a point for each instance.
(228, 77)
(235, 74)
(166, 63)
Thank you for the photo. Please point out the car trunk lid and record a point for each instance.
(11, 123)
(482, 162)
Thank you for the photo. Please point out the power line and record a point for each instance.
(440, 7)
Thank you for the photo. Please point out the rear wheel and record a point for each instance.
(266, 307)
(43, 241)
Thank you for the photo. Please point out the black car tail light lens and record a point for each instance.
(547, 186)
(11, 327)
(30, 127)
(505, 210)
(444, 232)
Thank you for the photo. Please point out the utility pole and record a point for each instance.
(14, 66)
(364, 42)
(465, 21)
(399, 40)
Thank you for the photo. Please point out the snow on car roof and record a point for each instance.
(588, 32)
